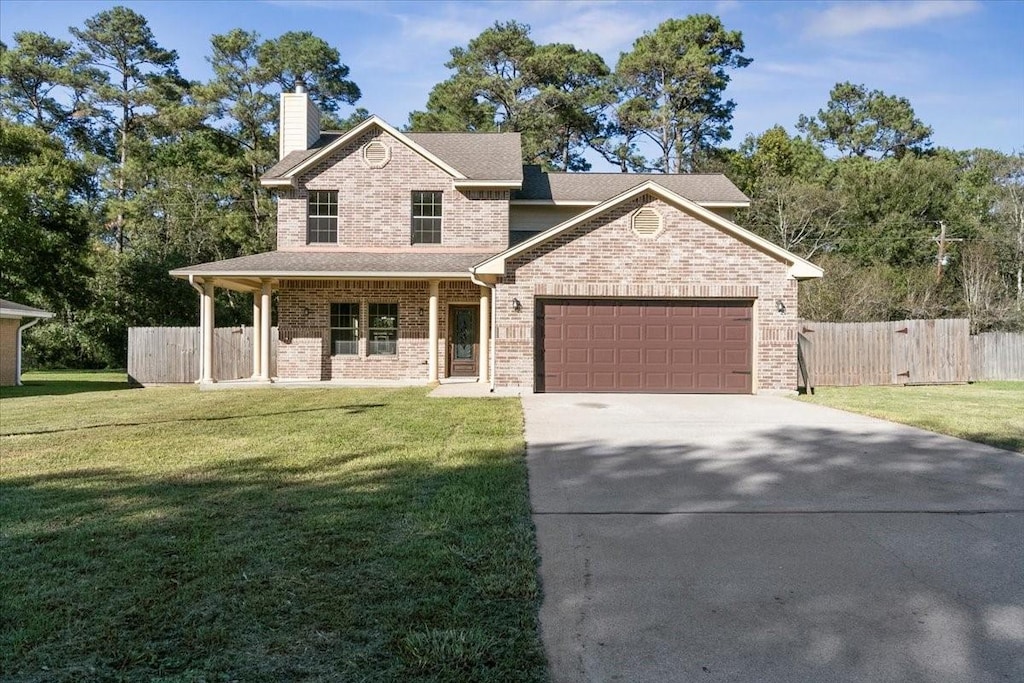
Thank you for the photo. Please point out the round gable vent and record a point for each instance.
(646, 222)
(376, 154)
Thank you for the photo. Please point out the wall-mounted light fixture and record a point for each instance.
(780, 306)
(517, 305)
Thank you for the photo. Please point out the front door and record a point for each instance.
(463, 341)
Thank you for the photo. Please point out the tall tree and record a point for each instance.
(673, 82)
(858, 121)
(552, 94)
(43, 82)
(141, 78)
(301, 56)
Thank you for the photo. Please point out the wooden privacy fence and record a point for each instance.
(899, 352)
(171, 355)
(997, 355)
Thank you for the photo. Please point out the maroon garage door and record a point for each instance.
(644, 346)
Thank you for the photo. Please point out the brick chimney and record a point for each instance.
(300, 121)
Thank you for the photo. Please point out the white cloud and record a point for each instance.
(853, 18)
(604, 30)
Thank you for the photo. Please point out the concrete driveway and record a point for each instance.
(756, 538)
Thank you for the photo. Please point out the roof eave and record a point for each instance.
(277, 182)
(17, 313)
(490, 184)
(321, 274)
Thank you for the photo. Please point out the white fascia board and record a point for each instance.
(18, 313)
(321, 274)
(278, 182)
(724, 205)
(553, 202)
(359, 130)
(799, 268)
(499, 184)
(583, 202)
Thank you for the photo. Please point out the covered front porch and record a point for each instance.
(360, 316)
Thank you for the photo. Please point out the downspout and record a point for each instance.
(494, 322)
(199, 288)
(17, 357)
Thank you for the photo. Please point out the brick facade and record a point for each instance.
(304, 306)
(8, 350)
(375, 204)
(688, 259)
(603, 257)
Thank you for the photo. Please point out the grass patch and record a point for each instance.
(986, 412)
(167, 534)
(63, 382)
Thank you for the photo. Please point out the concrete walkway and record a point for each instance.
(695, 538)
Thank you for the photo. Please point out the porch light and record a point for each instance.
(780, 306)
(517, 305)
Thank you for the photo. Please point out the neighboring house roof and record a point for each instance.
(468, 157)
(541, 187)
(798, 268)
(353, 264)
(10, 309)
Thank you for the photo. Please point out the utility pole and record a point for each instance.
(942, 239)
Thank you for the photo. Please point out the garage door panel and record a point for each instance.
(644, 346)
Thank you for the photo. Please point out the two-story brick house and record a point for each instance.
(425, 256)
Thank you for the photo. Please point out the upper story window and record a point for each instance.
(426, 217)
(322, 223)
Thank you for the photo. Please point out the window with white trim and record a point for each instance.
(344, 329)
(426, 217)
(383, 333)
(322, 221)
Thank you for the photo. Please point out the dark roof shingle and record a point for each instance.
(336, 263)
(598, 187)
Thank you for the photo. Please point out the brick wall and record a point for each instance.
(687, 259)
(304, 328)
(8, 350)
(375, 205)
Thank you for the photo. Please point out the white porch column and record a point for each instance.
(257, 333)
(265, 331)
(432, 335)
(207, 325)
(485, 333)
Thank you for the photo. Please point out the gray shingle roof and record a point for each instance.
(336, 264)
(293, 159)
(12, 308)
(478, 156)
(597, 187)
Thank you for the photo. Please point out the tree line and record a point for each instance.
(115, 168)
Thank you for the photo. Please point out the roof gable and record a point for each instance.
(798, 268)
(469, 158)
(302, 161)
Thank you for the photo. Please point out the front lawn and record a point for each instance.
(986, 412)
(264, 535)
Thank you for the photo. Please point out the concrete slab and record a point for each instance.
(762, 539)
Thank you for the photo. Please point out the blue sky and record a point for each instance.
(961, 63)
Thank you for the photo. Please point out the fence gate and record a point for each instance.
(900, 352)
(169, 355)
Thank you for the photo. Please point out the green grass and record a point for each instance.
(986, 412)
(167, 534)
(63, 382)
